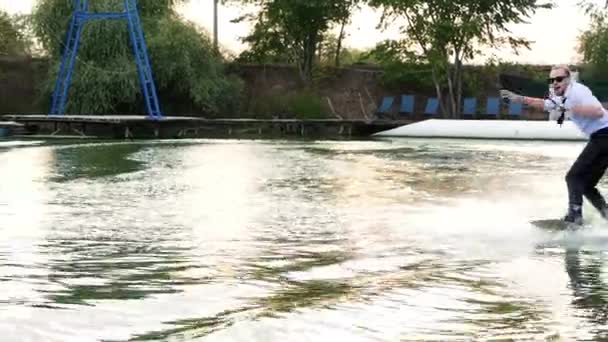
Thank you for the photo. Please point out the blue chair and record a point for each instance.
(386, 105)
(432, 105)
(515, 109)
(407, 104)
(493, 106)
(469, 106)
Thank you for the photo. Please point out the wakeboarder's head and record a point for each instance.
(559, 79)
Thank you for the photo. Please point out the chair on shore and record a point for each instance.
(469, 107)
(432, 105)
(515, 109)
(385, 106)
(493, 106)
(407, 104)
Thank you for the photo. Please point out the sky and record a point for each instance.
(553, 32)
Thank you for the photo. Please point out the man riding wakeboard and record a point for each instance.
(575, 101)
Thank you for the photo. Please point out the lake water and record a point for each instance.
(226, 240)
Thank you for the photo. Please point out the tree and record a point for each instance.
(331, 53)
(13, 39)
(444, 34)
(593, 47)
(292, 30)
(593, 42)
(345, 20)
(185, 67)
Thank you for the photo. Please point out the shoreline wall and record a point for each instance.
(270, 91)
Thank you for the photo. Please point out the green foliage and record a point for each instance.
(307, 105)
(302, 105)
(415, 76)
(594, 42)
(401, 68)
(266, 107)
(52, 19)
(291, 30)
(190, 66)
(327, 49)
(477, 80)
(446, 33)
(267, 44)
(105, 79)
(13, 38)
(593, 47)
(348, 56)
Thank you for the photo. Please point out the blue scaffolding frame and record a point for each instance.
(80, 17)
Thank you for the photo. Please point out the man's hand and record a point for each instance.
(509, 96)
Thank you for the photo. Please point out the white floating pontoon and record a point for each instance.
(487, 129)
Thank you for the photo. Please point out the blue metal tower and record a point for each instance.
(79, 18)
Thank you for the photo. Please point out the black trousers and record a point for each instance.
(587, 171)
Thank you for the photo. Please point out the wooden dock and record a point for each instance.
(9, 128)
(10, 124)
(175, 127)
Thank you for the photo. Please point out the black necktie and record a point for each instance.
(561, 118)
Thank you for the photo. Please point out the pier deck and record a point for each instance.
(141, 126)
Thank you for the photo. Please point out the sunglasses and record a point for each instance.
(556, 79)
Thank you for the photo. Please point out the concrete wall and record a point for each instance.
(348, 93)
(20, 80)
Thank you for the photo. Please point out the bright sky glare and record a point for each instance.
(553, 32)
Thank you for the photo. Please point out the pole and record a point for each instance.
(215, 42)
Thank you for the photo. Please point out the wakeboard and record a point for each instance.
(555, 224)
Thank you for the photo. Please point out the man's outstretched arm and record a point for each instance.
(592, 110)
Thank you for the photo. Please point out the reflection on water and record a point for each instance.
(294, 241)
(93, 161)
(589, 290)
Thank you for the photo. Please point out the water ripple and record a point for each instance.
(221, 240)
